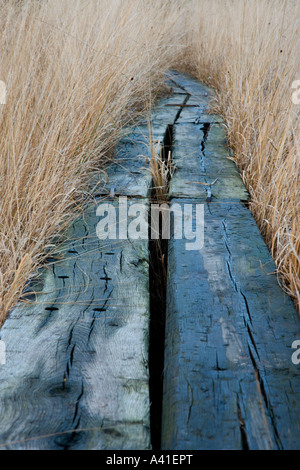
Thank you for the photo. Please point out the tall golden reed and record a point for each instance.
(76, 71)
(249, 51)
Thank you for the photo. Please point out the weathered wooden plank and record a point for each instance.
(129, 173)
(196, 89)
(229, 379)
(76, 375)
(197, 116)
(229, 382)
(201, 157)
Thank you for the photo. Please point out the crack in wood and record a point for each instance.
(158, 261)
(243, 431)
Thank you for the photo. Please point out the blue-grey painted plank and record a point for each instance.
(200, 159)
(190, 85)
(76, 373)
(229, 380)
(129, 173)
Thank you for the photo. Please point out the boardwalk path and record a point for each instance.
(76, 373)
(229, 380)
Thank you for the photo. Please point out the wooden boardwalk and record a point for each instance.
(229, 379)
(77, 366)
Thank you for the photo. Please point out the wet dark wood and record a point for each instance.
(229, 380)
(76, 374)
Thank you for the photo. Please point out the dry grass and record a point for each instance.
(161, 168)
(249, 51)
(75, 71)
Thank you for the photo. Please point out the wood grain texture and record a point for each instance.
(229, 331)
(76, 375)
(201, 158)
(129, 173)
(229, 382)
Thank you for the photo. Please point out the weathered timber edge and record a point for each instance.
(229, 380)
